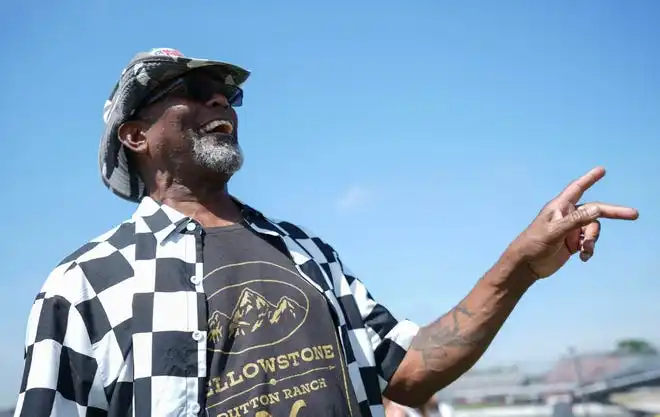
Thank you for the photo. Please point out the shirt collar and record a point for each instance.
(164, 222)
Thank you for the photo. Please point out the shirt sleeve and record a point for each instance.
(389, 338)
(61, 374)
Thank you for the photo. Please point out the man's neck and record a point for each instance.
(212, 206)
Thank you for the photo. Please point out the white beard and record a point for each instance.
(217, 155)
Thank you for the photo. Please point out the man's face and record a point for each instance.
(194, 128)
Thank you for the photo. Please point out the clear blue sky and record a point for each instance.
(418, 139)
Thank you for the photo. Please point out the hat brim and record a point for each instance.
(230, 73)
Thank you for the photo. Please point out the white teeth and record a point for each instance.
(214, 124)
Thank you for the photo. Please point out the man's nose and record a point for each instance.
(216, 100)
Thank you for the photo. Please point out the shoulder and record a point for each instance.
(294, 230)
(316, 247)
(93, 266)
(115, 239)
(296, 237)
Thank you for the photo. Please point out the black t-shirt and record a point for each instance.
(273, 346)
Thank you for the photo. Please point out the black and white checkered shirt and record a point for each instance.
(119, 327)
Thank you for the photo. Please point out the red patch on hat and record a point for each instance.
(166, 51)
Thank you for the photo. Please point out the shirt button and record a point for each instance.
(195, 280)
(191, 226)
(194, 408)
(197, 335)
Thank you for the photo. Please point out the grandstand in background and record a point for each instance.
(602, 373)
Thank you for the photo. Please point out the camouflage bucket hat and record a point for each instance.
(144, 74)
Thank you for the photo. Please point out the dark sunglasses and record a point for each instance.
(198, 88)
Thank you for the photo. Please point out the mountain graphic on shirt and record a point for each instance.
(254, 312)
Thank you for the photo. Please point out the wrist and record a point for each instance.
(512, 272)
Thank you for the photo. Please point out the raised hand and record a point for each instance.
(564, 227)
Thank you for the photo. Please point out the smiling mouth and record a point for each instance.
(218, 126)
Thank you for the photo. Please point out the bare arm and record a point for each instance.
(448, 347)
(445, 349)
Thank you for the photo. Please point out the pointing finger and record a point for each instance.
(589, 212)
(573, 193)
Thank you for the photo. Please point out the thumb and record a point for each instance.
(576, 219)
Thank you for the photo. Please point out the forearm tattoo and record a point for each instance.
(454, 330)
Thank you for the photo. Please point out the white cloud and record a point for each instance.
(354, 197)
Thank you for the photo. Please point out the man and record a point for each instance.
(201, 305)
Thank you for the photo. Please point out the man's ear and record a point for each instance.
(132, 135)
